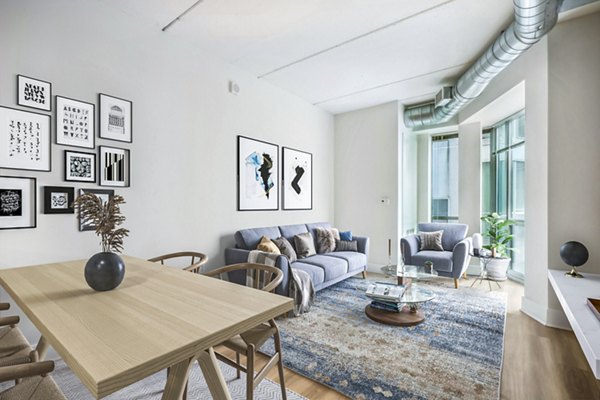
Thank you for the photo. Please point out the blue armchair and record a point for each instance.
(452, 262)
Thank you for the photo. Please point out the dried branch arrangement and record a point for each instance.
(105, 217)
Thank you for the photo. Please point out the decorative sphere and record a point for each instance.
(574, 253)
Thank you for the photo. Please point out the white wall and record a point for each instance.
(409, 177)
(574, 140)
(366, 170)
(183, 193)
(424, 178)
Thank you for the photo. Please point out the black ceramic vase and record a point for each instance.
(104, 271)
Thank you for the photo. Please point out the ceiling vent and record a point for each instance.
(443, 97)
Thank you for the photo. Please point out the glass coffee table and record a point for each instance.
(406, 273)
(411, 302)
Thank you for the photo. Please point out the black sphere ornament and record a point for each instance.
(104, 271)
(574, 254)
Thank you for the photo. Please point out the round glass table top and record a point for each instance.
(416, 294)
(409, 271)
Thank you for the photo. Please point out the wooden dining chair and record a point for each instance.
(14, 347)
(34, 383)
(262, 277)
(197, 260)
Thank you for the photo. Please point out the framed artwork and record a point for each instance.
(75, 122)
(116, 118)
(296, 180)
(103, 194)
(58, 200)
(34, 93)
(114, 166)
(17, 202)
(80, 167)
(24, 140)
(257, 175)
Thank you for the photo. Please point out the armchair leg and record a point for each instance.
(364, 274)
(455, 283)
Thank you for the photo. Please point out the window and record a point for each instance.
(503, 184)
(444, 178)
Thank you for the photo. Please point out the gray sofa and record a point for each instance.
(453, 261)
(324, 269)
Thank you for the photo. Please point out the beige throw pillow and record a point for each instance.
(431, 241)
(305, 246)
(267, 246)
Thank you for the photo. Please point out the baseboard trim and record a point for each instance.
(545, 316)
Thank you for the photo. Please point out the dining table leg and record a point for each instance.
(42, 348)
(213, 376)
(177, 379)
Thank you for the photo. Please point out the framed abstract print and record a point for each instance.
(17, 202)
(257, 175)
(75, 122)
(114, 166)
(24, 140)
(296, 179)
(80, 166)
(116, 118)
(58, 200)
(34, 93)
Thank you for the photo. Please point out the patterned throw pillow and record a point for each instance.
(346, 235)
(267, 246)
(286, 248)
(305, 246)
(346, 245)
(325, 240)
(431, 241)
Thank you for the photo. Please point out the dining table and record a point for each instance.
(159, 318)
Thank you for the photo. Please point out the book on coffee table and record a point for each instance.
(386, 292)
(386, 306)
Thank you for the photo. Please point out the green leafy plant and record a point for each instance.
(105, 217)
(498, 231)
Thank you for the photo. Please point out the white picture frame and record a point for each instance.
(114, 166)
(75, 123)
(258, 175)
(296, 182)
(80, 166)
(34, 93)
(24, 140)
(116, 118)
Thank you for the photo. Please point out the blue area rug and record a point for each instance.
(455, 354)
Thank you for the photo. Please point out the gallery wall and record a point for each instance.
(185, 127)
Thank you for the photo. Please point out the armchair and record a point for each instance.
(452, 262)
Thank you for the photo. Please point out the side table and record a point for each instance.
(485, 260)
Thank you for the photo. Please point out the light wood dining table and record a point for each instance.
(158, 318)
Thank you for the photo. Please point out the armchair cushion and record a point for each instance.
(442, 260)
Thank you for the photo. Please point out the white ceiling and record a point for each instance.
(338, 54)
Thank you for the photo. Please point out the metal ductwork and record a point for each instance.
(533, 19)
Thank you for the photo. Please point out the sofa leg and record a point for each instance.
(455, 283)
(364, 274)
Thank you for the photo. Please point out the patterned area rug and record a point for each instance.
(152, 387)
(455, 354)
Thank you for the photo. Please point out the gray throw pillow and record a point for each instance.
(286, 248)
(431, 241)
(346, 245)
(305, 246)
(325, 240)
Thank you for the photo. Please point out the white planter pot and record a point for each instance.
(497, 267)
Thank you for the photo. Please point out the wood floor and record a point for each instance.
(539, 362)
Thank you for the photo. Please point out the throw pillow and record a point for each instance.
(431, 241)
(286, 248)
(336, 233)
(346, 236)
(325, 240)
(346, 245)
(305, 246)
(267, 246)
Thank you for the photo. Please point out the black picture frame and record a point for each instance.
(109, 130)
(119, 167)
(18, 210)
(294, 182)
(77, 160)
(60, 126)
(21, 97)
(13, 156)
(252, 194)
(59, 200)
(100, 193)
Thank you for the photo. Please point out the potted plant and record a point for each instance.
(104, 270)
(498, 233)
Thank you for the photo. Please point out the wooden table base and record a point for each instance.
(402, 318)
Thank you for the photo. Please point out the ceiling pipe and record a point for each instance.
(533, 20)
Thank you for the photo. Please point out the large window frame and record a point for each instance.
(437, 203)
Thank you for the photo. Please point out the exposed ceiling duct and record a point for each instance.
(533, 19)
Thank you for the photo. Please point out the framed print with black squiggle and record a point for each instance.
(296, 181)
(257, 175)
(17, 202)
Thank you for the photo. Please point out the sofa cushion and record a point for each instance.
(346, 235)
(431, 240)
(325, 240)
(356, 261)
(248, 239)
(289, 231)
(305, 245)
(312, 228)
(268, 246)
(346, 245)
(317, 274)
(333, 266)
(442, 260)
(286, 248)
(453, 233)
